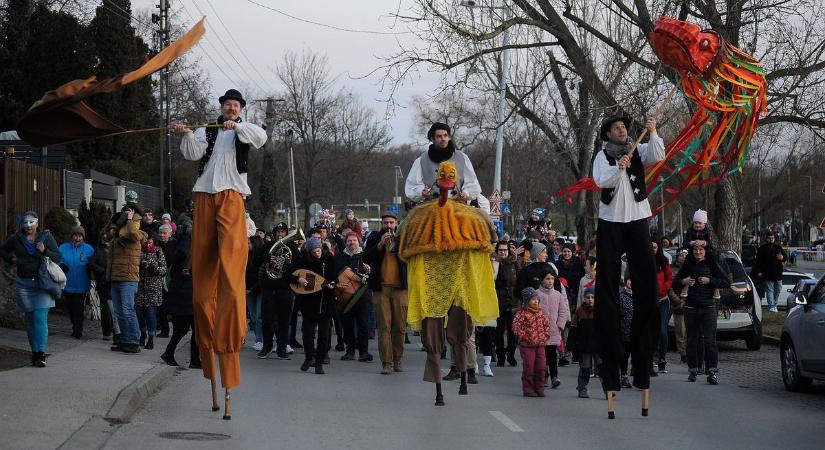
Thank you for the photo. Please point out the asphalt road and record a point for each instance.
(353, 406)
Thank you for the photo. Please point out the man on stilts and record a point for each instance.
(219, 242)
(446, 244)
(623, 229)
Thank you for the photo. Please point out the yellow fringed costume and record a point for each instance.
(447, 246)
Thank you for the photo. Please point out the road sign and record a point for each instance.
(505, 195)
(505, 209)
(394, 208)
(315, 209)
(495, 197)
(499, 227)
(495, 210)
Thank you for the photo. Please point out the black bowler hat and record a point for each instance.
(232, 94)
(609, 122)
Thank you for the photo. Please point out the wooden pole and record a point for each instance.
(611, 414)
(645, 401)
(215, 406)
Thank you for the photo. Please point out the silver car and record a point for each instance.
(802, 346)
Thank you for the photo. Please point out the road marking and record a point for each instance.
(506, 421)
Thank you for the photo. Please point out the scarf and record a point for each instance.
(616, 151)
(533, 308)
(437, 155)
(30, 246)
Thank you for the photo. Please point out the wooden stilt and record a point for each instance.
(215, 406)
(645, 401)
(611, 414)
(227, 399)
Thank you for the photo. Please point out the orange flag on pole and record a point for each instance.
(62, 116)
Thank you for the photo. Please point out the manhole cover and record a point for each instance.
(194, 436)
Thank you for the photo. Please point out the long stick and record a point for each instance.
(656, 115)
(148, 130)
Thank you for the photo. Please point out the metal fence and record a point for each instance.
(26, 187)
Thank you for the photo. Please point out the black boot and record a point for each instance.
(39, 359)
(452, 375)
(34, 358)
(511, 359)
(169, 359)
(142, 339)
(150, 343)
(308, 361)
(439, 397)
(583, 380)
(471, 376)
(319, 366)
(462, 389)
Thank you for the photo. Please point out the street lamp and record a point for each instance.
(397, 173)
(502, 90)
(808, 206)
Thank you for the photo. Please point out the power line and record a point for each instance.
(332, 27)
(146, 26)
(229, 52)
(243, 53)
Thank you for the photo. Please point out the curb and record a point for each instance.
(770, 340)
(132, 397)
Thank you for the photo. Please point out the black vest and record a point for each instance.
(241, 149)
(636, 172)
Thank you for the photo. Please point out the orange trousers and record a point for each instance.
(219, 254)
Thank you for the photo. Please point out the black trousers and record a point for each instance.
(626, 358)
(276, 312)
(485, 337)
(613, 239)
(356, 324)
(180, 326)
(701, 322)
(74, 308)
(293, 323)
(162, 316)
(317, 314)
(504, 326)
(338, 323)
(551, 353)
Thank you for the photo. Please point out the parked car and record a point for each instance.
(789, 280)
(803, 287)
(739, 308)
(802, 345)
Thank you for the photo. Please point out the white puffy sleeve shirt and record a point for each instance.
(221, 172)
(414, 185)
(624, 207)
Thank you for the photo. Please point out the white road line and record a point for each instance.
(506, 421)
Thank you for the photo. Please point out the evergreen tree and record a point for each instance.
(14, 35)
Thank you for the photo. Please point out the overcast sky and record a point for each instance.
(265, 35)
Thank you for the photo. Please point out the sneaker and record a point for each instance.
(386, 369)
(540, 393)
(713, 378)
(583, 393)
(289, 350)
(258, 346)
(774, 309)
(511, 360)
(348, 356)
(554, 383)
(531, 394)
(486, 371)
(692, 377)
(396, 366)
(130, 349)
(662, 366)
(452, 375)
(107, 338)
(282, 355)
(365, 357)
(307, 363)
(169, 359)
(339, 347)
(563, 361)
(263, 353)
(626, 382)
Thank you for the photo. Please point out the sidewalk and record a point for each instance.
(84, 389)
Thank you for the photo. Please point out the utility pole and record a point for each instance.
(165, 142)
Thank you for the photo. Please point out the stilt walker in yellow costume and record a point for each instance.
(447, 246)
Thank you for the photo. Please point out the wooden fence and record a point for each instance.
(26, 187)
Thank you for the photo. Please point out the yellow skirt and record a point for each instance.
(463, 278)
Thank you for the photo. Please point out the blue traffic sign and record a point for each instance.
(394, 208)
(505, 208)
(499, 227)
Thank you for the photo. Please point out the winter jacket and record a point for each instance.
(531, 276)
(152, 271)
(374, 256)
(664, 280)
(531, 328)
(767, 264)
(28, 264)
(701, 295)
(571, 270)
(124, 254)
(321, 303)
(179, 298)
(697, 235)
(505, 282)
(557, 311)
(583, 335)
(354, 261)
(76, 260)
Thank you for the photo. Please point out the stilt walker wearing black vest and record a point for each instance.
(623, 229)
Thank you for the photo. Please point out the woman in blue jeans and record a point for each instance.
(702, 274)
(27, 249)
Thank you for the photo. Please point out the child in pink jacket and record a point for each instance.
(555, 308)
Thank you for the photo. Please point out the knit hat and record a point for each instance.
(281, 226)
(313, 243)
(131, 197)
(536, 250)
(347, 211)
(588, 291)
(700, 216)
(79, 230)
(534, 234)
(438, 126)
(528, 293)
(166, 216)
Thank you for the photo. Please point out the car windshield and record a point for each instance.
(737, 272)
(790, 278)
